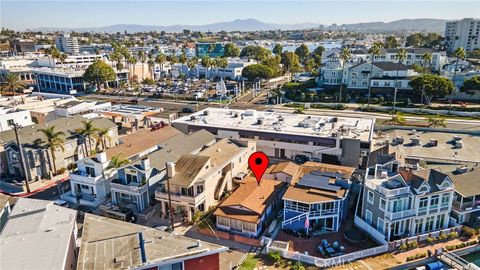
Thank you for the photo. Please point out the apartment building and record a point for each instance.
(464, 33)
(384, 76)
(135, 183)
(38, 161)
(466, 199)
(401, 201)
(317, 198)
(112, 244)
(46, 235)
(248, 209)
(67, 44)
(199, 181)
(336, 140)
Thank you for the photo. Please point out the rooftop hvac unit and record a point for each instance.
(259, 121)
(364, 153)
(193, 117)
(206, 112)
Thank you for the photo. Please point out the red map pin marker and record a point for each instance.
(258, 163)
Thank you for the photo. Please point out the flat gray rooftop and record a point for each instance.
(280, 122)
(36, 236)
(445, 151)
(113, 244)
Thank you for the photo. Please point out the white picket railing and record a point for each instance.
(295, 219)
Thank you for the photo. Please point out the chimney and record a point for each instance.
(102, 157)
(145, 163)
(170, 169)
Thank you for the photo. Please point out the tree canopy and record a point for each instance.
(471, 85)
(278, 49)
(290, 62)
(231, 50)
(433, 85)
(255, 52)
(429, 40)
(391, 42)
(302, 51)
(255, 71)
(98, 73)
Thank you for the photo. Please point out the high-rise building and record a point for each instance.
(67, 44)
(462, 33)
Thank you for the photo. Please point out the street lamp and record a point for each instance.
(15, 128)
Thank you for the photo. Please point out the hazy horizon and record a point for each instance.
(21, 15)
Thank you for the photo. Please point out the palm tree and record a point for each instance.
(402, 54)
(88, 131)
(53, 141)
(161, 59)
(192, 63)
(345, 55)
(12, 83)
(102, 136)
(206, 62)
(183, 59)
(118, 161)
(397, 119)
(56, 54)
(151, 66)
(427, 59)
(221, 62)
(436, 121)
(142, 57)
(62, 58)
(133, 60)
(375, 50)
(458, 54)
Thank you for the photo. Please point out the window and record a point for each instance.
(251, 227)
(90, 171)
(199, 189)
(368, 217)
(429, 223)
(131, 178)
(13, 157)
(440, 220)
(383, 203)
(370, 198)
(445, 200)
(223, 221)
(10, 122)
(380, 225)
(423, 204)
(434, 201)
(124, 196)
(418, 226)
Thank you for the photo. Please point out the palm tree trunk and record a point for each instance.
(370, 83)
(341, 85)
(52, 151)
(451, 94)
(395, 89)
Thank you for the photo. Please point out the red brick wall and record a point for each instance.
(210, 262)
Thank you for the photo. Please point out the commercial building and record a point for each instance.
(405, 201)
(67, 44)
(198, 182)
(112, 244)
(337, 140)
(209, 49)
(233, 70)
(317, 198)
(464, 33)
(39, 235)
(249, 208)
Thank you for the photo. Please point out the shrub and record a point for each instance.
(468, 232)
(412, 245)
(442, 236)
(297, 266)
(61, 171)
(275, 256)
(430, 240)
(417, 256)
(403, 247)
(453, 235)
(197, 216)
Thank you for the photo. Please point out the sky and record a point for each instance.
(21, 15)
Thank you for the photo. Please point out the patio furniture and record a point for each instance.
(341, 249)
(335, 245)
(320, 249)
(325, 243)
(330, 251)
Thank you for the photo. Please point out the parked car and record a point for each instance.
(187, 110)
(301, 159)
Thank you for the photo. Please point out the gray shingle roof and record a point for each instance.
(466, 183)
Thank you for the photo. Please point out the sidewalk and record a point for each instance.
(35, 187)
(193, 233)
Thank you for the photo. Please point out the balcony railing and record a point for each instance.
(387, 192)
(131, 187)
(400, 214)
(176, 197)
(84, 177)
(466, 206)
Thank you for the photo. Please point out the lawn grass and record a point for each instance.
(250, 263)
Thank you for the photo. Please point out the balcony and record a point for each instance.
(400, 214)
(387, 192)
(466, 206)
(83, 177)
(322, 213)
(178, 198)
(134, 187)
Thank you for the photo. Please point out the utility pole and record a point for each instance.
(15, 128)
(170, 203)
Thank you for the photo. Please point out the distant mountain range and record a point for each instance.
(428, 25)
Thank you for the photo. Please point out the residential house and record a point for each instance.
(466, 199)
(135, 183)
(317, 197)
(197, 182)
(10, 116)
(403, 201)
(282, 171)
(112, 244)
(90, 182)
(248, 209)
(39, 235)
(38, 158)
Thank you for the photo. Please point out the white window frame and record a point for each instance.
(382, 230)
(368, 197)
(380, 204)
(366, 216)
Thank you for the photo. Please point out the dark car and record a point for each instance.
(187, 110)
(301, 159)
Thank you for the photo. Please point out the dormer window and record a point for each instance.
(445, 185)
(423, 189)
